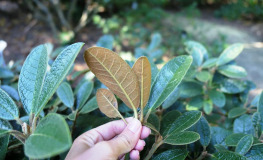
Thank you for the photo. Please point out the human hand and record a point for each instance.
(110, 141)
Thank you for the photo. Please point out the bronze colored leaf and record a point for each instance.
(142, 69)
(115, 73)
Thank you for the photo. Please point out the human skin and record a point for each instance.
(110, 141)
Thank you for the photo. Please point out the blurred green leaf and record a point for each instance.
(90, 106)
(173, 154)
(208, 106)
(11, 92)
(217, 97)
(233, 139)
(260, 109)
(72, 116)
(203, 129)
(155, 41)
(190, 89)
(243, 124)
(236, 112)
(210, 63)
(203, 76)
(65, 94)
(256, 152)
(8, 108)
(195, 103)
(5, 127)
(197, 55)
(84, 93)
(105, 41)
(232, 86)
(232, 71)
(171, 99)
(3, 146)
(193, 44)
(6, 73)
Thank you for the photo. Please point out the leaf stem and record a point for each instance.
(202, 156)
(19, 121)
(135, 113)
(147, 116)
(20, 136)
(34, 124)
(74, 123)
(123, 118)
(153, 149)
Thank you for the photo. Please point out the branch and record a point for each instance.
(71, 9)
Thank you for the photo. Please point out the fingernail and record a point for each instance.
(134, 125)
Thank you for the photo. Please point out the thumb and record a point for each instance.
(127, 140)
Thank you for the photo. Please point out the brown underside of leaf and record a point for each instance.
(114, 73)
(142, 69)
(107, 103)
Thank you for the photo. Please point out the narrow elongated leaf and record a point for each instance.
(208, 106)
(65, 94)
(243, 124)
(256, 152)
(184, 122)
(91, 105)
(167, 121)
(227, 155)
(232, 71)
(203, 76)
(51, 137)
(142, 69)
(171, 99)
(173, 154)
(244, 144)
(84, 93)
(32, 77)
(107, 103)
(203, 129)
(182, 138)
(260, 109)
(3, 146)
(229, 54)
(58, 71)
(11, 92)
(168, 79)
(5, 127)
(235, 112)
(210, 63)
(233, 139)
(232, 86)
(217, 97)
(8, 108)
(115, 73)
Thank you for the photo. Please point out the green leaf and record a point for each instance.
(6, 73)
(195, 103)
(51, 137)
(190, 89)
(58, 71)
(236, 112)
(210, 63)
(244, 144)
(3, 146)
(256, 152)
(184, 122)
(167, 121)
(203, 129)
(155, 41)
(203, 76)
(11, 92)
(182, 138)
(153, 129)
(105, 41)
(218, 135)
(156, 54)
(208, 106)
(243, 124)
(217, 97)
(78, 73)
(84, 93)
(197, 56)
(154, 71)
(173, 154)
(233, 139)
(232, 71)
(255, 101)
(91, 105)
(5, 127)
(154, 120)
(229, 54)
(193, 44)
(65, 94)
(227, 155)
(220, 147)
(72, 116)
(168, 79)
(232, 86)
(260, 109)
(171, 99)
(8, 108)
(32, 77)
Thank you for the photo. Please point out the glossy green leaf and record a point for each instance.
(184, 122)
(154, 71)
(5, 127)
(260, 109)
(203, 76)
(210, 63)
(208, 106)
(84, 93)
(65, 94)
(236, 112)
(244, 144)
(182, 138)
(90, 106)
(173, 154)
(190, 89)
(168, 79)
(167, 121)
(153, 129)
(229, 54)
(6, 73)
(58, 71)
(255, 153)
(11, 92)
(227, 155)
(193, 44)
(233, 139)
(51, 137)
(32, 76)
(243, 124)
(203, 129)
(154, 120)
(217, 97)
(218, 135)
(3, 146)
(197, 55)
(171, 99)
(8, 108)
(195, 103)
(232, 86)
(232, 71)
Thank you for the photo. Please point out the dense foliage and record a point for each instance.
(201, 110)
